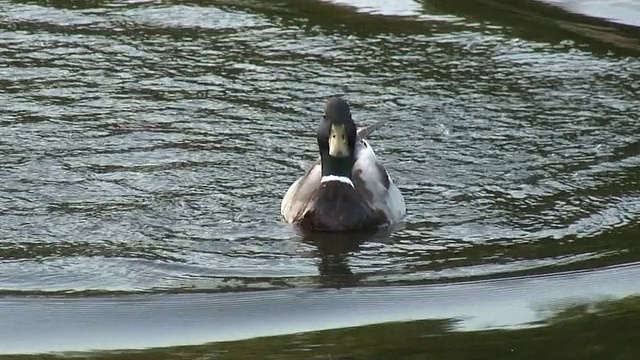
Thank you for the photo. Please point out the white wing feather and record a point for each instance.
(297, 197)
(373, 174)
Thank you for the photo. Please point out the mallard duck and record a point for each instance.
(347, 188)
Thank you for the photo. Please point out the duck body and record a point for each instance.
(347, 188)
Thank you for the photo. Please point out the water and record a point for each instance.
(146, 146)
(620, 11)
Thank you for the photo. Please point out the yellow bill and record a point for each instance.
(338, 143)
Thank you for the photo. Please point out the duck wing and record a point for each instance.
(375, 185)
(298, 197)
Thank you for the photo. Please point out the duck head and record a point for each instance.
(336, 136)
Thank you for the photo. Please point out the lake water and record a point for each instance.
(145, 147)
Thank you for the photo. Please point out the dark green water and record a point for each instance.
(145, 147)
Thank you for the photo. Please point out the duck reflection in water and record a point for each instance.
(334, 251)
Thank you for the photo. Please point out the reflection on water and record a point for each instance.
(136, 321)
(620, 11)
(334, 251)
(571, 332)
(603, 26)
(146, 146)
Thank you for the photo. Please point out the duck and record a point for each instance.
(347, 188)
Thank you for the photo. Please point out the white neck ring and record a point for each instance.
(342, 179)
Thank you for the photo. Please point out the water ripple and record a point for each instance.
(145, 146)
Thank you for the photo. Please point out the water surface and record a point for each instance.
(146, 146)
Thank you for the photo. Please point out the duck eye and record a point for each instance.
(333, 136)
